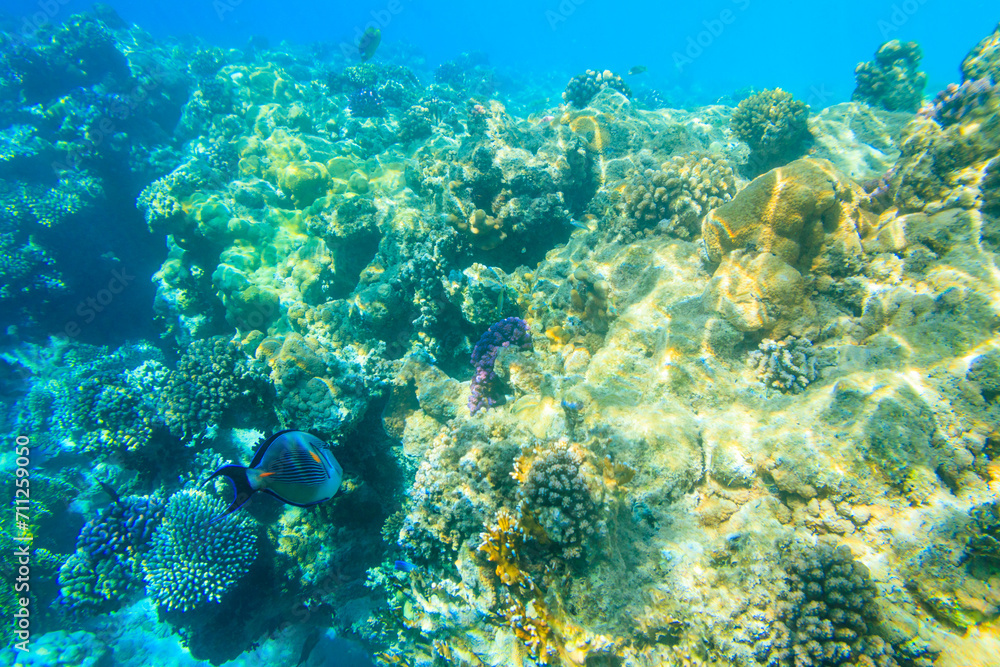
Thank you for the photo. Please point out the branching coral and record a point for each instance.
(509, 332)
(583, 87)
(892, 81)
(774, 125)
(193, 561)
(788, 365)
(830, 612)
(675, 197)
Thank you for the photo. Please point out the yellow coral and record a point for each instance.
(502, 544)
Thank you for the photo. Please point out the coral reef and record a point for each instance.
(788, 365)
(774, 125)
(675, 197)
(511, 332)
(892, 81)
(830, 611)
(193, 561)
(582, 88)
(983, 60)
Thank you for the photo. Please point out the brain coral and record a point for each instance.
(193, 561)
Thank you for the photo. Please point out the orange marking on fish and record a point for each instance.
(315, 456)
(266, 474)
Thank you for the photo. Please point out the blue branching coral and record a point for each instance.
(106, 565)
(193, 561)
(508, 332)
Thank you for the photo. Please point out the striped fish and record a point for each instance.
(293, 466)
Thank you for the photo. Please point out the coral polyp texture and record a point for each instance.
(774, 125)
(194, 560)
(892, 81)
(509, 333)
(676, 196)
(582, 88)
(611, 382)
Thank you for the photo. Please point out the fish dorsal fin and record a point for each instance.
(259, 454)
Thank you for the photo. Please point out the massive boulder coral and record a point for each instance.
(983, 60)
(582, 88)
(892, 81)
(804, 217)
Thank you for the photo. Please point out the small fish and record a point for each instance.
(293, 466)
(369, 42)
(638, 69)
(404, 566)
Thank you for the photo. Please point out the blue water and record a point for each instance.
(810, 49)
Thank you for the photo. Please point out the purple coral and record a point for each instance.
(955, 102)
(508, 332)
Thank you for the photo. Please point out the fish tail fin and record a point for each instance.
(241, 488)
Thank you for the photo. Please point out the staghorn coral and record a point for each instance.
(892, 81)
(193, 561)
(509, 332)
(788, 365)
(583, 87)
(774, 125)
(676, 196)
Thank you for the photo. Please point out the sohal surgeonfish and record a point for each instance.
(293, 466)
(369, 42)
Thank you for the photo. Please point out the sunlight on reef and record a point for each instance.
(611, 383)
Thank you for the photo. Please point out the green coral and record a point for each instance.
(775, 127)
(984, 59)
(194, 561)
(984, 542)
(892, 81)
(212, 378)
